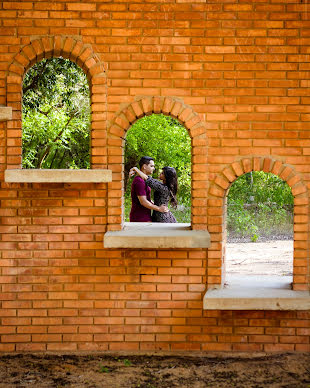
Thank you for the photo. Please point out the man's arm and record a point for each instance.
(149, 205)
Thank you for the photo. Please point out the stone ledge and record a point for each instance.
(57, 176)
(156, 235)
(256, 299)
(5, 113)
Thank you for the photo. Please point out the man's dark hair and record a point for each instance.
(145, 160)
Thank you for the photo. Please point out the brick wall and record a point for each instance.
(236, 74)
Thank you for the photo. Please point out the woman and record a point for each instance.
(163, 192)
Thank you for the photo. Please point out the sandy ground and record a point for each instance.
(260, 258)
(267, 264)
(156, 371)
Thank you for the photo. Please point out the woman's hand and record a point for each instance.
(132, 172)
(163, 209)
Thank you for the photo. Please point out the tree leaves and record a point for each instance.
(263, 187)
(259, 203)
(56, 116)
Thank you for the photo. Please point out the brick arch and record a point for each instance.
(196, 127)
(46, 47)
(169, 106)
(217, 203)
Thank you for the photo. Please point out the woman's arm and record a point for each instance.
(135, 170)
(151, 182)
(142, 199)
(156, 185)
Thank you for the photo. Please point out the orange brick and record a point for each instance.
(239, 83)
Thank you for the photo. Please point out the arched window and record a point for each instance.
(56, 116)
(160, 235)
(259, 226)
(168, 142)
(281, 193)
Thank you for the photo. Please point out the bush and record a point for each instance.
(259, 205)
(241, 222)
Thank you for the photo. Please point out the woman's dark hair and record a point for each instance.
(172, 184)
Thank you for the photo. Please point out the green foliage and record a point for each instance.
(104, 369)
(259, 204)
(264, 187)
(168, 142)
(240, 221)
(56, 116)
(125, 361)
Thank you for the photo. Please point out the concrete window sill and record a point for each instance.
(269, 293)
(157, 235)
(5, 113)
(57, 176)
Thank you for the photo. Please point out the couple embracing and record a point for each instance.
(165, 191)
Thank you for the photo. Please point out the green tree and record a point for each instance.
(259, 204)
(56, 116)
(168, 142)
(261, 187)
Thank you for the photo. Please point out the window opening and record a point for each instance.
(259, 249)
(168, 142)
(56, 116)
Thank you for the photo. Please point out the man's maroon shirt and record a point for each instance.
(138, 212)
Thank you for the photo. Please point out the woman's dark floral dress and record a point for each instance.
(161, 197)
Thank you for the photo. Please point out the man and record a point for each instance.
(141, 204)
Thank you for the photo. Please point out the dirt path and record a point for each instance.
(130, 371)
(260, 258)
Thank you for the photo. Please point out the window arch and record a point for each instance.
(116, 135)
(78, 52)
(217, 195)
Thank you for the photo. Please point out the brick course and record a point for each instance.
(235, 74)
